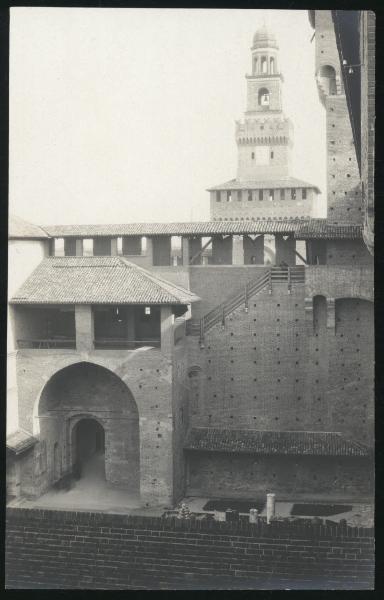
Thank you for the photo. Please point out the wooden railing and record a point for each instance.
(290, 275)
(109, 343)
(47, 343)
(99, 343)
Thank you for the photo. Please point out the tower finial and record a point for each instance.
(263, 23)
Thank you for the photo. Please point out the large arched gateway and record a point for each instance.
(88, 415)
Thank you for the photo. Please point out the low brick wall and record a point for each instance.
(54, 549)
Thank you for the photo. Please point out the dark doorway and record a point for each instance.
(89, 449)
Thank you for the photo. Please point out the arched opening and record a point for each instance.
(263, 97)
(88, 443)
(264, 64)
(327, 76)
(86, 410)
(272, 65)
(255, 65)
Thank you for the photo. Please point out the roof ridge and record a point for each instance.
(156, 279)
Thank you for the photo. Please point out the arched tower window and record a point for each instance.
(327, 76)
(255, 65)
(264, 64)
(272, 65)
(263, 97)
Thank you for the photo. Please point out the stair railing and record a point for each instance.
(218, 314)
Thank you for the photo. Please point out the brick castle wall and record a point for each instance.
(291, 477)
(64, 550)
(270, 369)
(367, 59)
(343, 180)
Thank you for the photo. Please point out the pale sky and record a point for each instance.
(128, 115)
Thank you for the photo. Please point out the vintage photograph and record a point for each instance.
(190, 341)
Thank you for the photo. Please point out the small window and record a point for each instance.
(147, 310)
(229, 196)
(249, 195)
(260, 194)
(271, 195)
(282, 194)
(271, 153)
(253, 155)
(304, 193)
(239, 195)
(218, 198)
(293, 194)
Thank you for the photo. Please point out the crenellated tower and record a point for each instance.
(263, 187)
(264, 137)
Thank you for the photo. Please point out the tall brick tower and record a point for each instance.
(344, 201)
(264, 138)
(263, 187)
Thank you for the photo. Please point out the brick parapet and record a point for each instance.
(98, 551)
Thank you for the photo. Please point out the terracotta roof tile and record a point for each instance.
(20, 229)
(322, 228)
(303, 228)
(97, 280)
(250, 441)
(284, 182)
(205, 228)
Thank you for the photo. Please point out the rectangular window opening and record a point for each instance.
(293, 194)
(249, 195)
(59, 247)
(282, 194)
(176, 250)
(229, 196)
(304, 193)
(88, 247)
(271, 195)
(260, 194)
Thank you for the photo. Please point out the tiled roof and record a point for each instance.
(284, 182)
(18, 228)
(97, 280)
(193, 228)
(322, 228)
(20, 440)
(249, 441)
(306, 227)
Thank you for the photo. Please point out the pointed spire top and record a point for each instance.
(263, 22)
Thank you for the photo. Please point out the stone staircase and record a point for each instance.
(289, 275)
